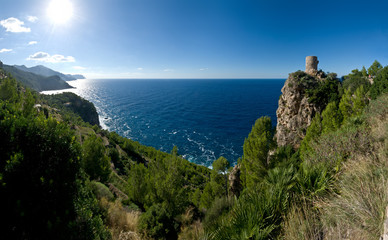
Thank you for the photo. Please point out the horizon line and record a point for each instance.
(175, 78)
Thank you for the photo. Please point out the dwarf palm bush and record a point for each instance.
(314, 180)
(258, 212)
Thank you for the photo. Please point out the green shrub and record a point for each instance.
(312, 133)
(354, 80)
(73, 106)
(302, 80)
(219, 209)
(38, 167)
(95, 162)
(375, 68)
(157, 223)
(314, 180)
(100, 190)
(328, 90)
(283, 155)
(207, 196)
(380, 83)
(256, 147)
(89, 223)
(331, 118)
(256, 215)
(8, 90)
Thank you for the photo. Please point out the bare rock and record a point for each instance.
(295, 112)
(385, 233)
(234, 181)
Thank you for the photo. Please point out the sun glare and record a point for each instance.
(60, 11)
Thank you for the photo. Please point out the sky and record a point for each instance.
(193, 38)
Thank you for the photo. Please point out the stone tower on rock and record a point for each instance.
(295, 111)
(312, 65)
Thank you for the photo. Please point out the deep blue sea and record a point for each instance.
(205, 119)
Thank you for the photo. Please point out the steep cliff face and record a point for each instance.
(69, 101)
(295, 112)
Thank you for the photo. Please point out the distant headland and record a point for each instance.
(41, 78)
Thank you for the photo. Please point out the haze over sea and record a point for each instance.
(204, 118)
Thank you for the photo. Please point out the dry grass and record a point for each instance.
(122, 222)
(356, 207)
(358, 210)
(192, 232)
(191, 229)
(302, 223)
(126, 236)
(334, 147)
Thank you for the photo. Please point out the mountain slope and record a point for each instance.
(47, 72)
(35, 81)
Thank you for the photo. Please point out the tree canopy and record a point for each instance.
(255, 160)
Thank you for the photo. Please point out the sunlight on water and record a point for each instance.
(206, 119)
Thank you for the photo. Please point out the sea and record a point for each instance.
(204, 118)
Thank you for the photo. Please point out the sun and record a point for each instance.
(60, 11)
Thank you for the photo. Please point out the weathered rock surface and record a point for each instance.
(385, 233)
(295, 112)
(234, 181)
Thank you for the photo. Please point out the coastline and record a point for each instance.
(74, 90)
(145, 111)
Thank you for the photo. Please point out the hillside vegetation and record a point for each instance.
(47, 72)
(73, 105)
(62, 177)
(35, 81)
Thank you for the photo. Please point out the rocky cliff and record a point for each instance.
(235, 181)
(68, 101)
(295, 112)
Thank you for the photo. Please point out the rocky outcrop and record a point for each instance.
(295, 112)
(85, 109)
(68, 101)
(234, 181)
(2, 75)
(385, 233)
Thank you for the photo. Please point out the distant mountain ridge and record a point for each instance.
(37, 82)
(47, 72)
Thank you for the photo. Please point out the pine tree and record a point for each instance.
(218, 178)
(138, 183)
(28, 103)
(207, 196)
(380, 83)
(8, 90)
(374, 68)
(346, 105)
(313, 131)
(364, 72)
(352, 105)
(359, 101)
(331, 118)
(256, 147)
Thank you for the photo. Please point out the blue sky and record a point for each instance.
(195, 38)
